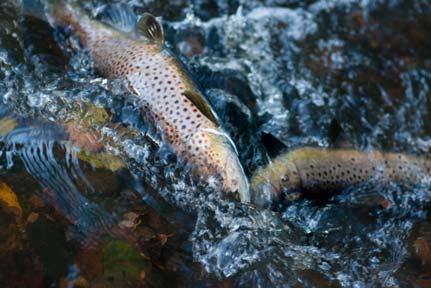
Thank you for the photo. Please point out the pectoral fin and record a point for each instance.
(202, 104)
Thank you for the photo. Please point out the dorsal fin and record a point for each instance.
(151, 28)
(272, 144)
(120, 16)
(202, 104)
(337, 136)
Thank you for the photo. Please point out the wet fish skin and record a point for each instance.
(160, 81)
(318, 170)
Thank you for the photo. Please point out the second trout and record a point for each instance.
(318, 170)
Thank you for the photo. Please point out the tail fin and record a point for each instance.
(56, 12)
(40, 8)
(35, 8)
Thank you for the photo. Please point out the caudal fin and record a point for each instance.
(41, 8)
(56, 12)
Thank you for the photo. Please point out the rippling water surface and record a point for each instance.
(91, 198)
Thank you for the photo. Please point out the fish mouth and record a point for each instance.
(234, 179)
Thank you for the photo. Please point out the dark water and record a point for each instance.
(101, 203)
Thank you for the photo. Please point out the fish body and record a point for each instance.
(170, 99)
(319, 170)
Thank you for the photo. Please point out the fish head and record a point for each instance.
(275, 185)
(222, 156)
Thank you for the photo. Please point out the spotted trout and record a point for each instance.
(319, 170)
(170, 99)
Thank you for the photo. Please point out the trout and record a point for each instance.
(317, 170)
(170, 99)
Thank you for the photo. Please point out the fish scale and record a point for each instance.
(160, 82)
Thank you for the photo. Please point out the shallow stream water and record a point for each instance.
(91, 199)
